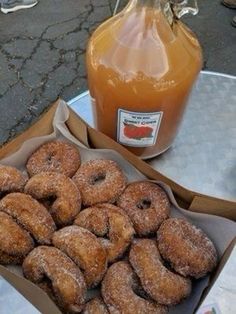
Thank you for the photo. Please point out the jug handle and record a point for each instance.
(182, 7)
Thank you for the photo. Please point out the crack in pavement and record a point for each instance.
(38, 102)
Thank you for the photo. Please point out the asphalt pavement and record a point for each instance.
(42, 53)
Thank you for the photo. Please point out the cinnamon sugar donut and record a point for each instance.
(187, 248)
(15, 242)
(111, 225)
(11, 180)
(85, 250)
(100, 181)
(119, 292)
(29, 213)
(146, 204)
(66, 280)
(56, 156)
(66, 199)
(95, 306)
(162, 285)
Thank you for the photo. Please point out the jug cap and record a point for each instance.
(182, 7)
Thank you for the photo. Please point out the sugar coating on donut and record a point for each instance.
(161, 284)
(118, 291)
(85, 250)
(95, 306)
(186, 247)
(11, 180)
(146, 204)
(111, 225)
(67, 281)
(15, 242)
(66, 198)
(56, 156)
(100, 181)
(29, 213)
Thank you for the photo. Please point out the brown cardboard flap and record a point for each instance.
(31, 292)
(78, 128)
(213, 206)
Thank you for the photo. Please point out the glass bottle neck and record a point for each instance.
(156, 4)
(148, 3)
(145, 3)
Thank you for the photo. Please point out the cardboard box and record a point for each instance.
(187, 199)
(91, 138)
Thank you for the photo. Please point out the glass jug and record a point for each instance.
(141, 65)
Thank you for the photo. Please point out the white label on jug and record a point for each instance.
(138, 129)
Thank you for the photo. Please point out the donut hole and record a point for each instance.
(48, 202)
(98, 178)
(46, 285)
(138, 290)
(105, 235)
(144, 203)
(53, 160)
(50, 157)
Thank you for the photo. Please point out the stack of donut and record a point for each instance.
(74, 227)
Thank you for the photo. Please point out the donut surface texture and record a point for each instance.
(85, 250)
(95, 306)
(146, 204)
(15, 242)
(66, 199)
(67, 281)
(187, 248)
(11, 180)
(111, 225)
(162, 285)
(29, 213)
(56, 156)
(100, 181)
(118, 291)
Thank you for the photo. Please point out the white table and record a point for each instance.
(203, 156)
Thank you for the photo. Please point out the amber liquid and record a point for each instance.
(136, 61)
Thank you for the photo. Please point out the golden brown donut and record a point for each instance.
(162, 285)
(111, 225)
(67, 281)
(85, 250)
(187, 248)
(146, 204)
(66, 199)
(56, 156)
(29, 213)
(15, 242)
(100, 181)
(118, 290)
(11, 180)
(95, 306)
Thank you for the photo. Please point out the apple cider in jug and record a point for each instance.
(142, 64)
